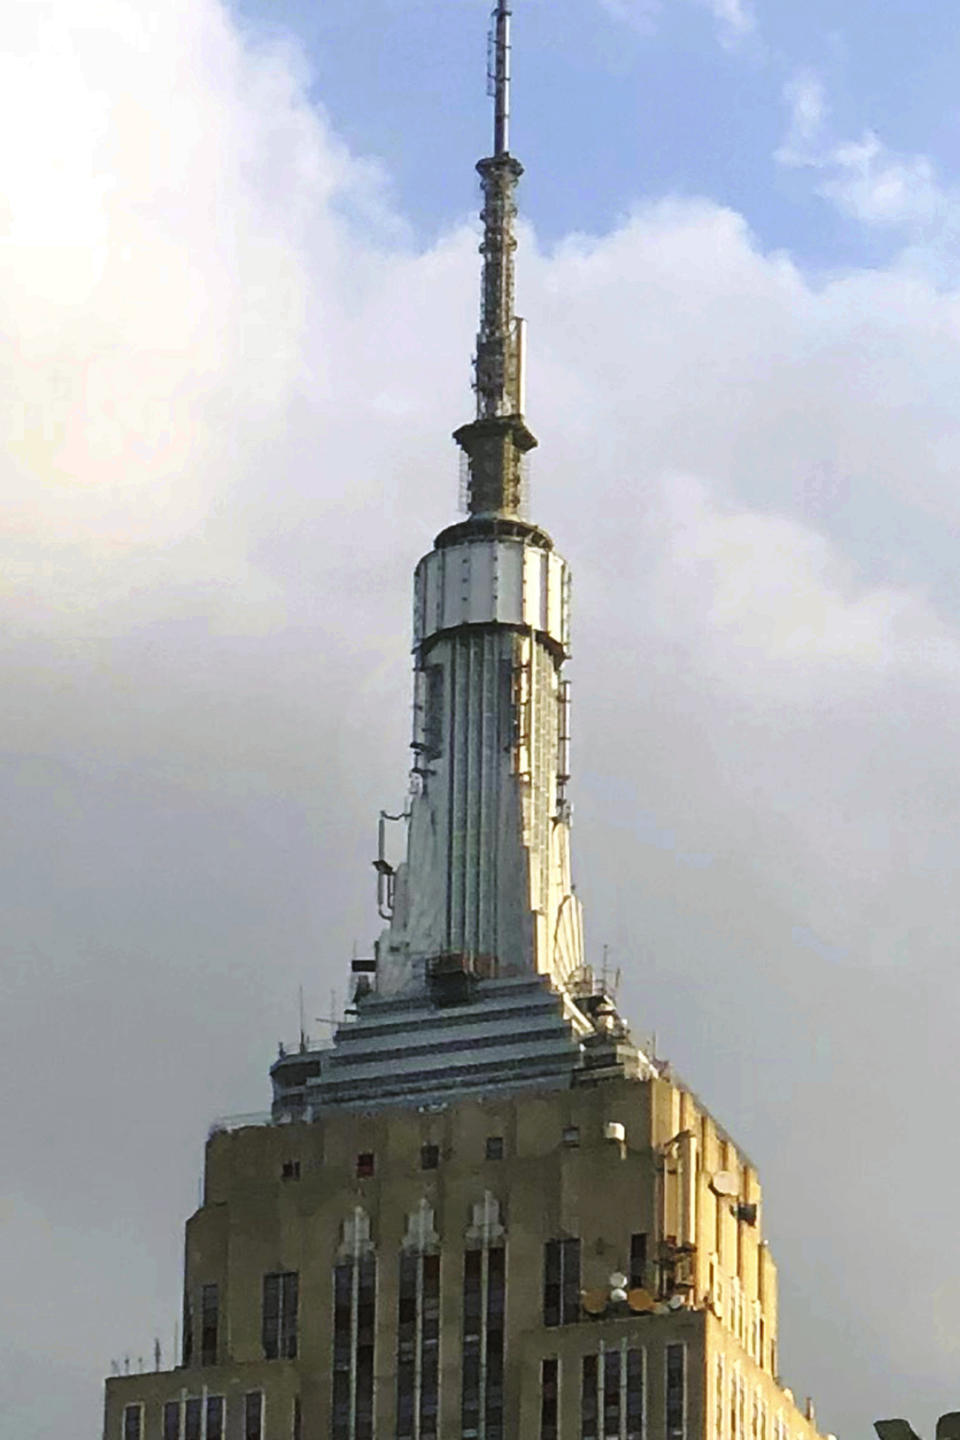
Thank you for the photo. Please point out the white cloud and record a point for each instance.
(865, 178)
(734, 18)
(229, 382)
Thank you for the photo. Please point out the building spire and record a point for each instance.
(495, 442)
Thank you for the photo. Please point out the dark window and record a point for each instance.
(433, 713)
(676, 1390)
(133, 1422)
(429, 1157)
(634, 1395)
(407, 1345)
(588, 1399)
(430, 1346)
(549, 1399)
(171, 1420)
(611, 1392)
(571, 1135)
(366, 1165)
(253, 1415)
(638, 1261)
(209, 1323)
(472, 1333)
(186, 1349)
(561, 1282)
(494, 1147)
(215, 1409)
(496, 1307)
(296, 1428)
(193, 1419)
(290, 1170)
(354, 1298)
(280, 1306)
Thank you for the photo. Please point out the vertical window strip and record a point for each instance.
(418, 1346)
(209, 1324)
(354, 1335)
(610, 1404)
(719, 1399)
(550, 1398)
(635, 1399)
(638, 1261)
(734, 1377)
(171, 1420)
(676, 1391)
(589, 1398)
(561, 1282)
(279, 1316)
(133, 1422)
(193, 1419)
(216, 1407)
(484, 1309)
(253, 1415)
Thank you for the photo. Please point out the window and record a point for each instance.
(171, 1420)
(193, 1419)
(571, 1136)
(676, 1397)
(209, 1322)
(290, 1170)
(494, 1147)
(638, 1261)
(280, 1305)
(549, 1399)
(561, 1282)
(296, 1427)
(366, 1165)
(186, 1348)
(718, 1398)
(588, 1398)
(635, 1395)
(133, 1422)
(354, 1328)
(418, 1346)
(611, 1392)
(215, 1416)
(484, 1302)
(253, 1415)
(433, 718)
(429, 1157)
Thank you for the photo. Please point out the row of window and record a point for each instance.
(742, 1414)
(197, 1417)
(366, 1165)
(744, 1317)
(281, 1299)
(613, 1394)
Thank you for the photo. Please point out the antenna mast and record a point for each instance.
(498, 438)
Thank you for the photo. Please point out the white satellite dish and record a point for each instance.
(618, 1281)
(725, 1183)
(675, 1302)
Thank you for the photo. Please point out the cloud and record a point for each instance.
(735, 19)
(229, 379)
(865, 178)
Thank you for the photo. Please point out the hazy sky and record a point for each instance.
(237, 299)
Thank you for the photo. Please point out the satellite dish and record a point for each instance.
(618, 1281)
(640, 1301)
(618, 1296)
(725, 1183)
(594, 1301)
(675, 1302)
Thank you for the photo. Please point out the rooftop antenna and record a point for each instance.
(497, 440)
(303, 1024)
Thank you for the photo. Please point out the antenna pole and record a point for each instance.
(497, 440)
(501, 79)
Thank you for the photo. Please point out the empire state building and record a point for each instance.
(482, 1211)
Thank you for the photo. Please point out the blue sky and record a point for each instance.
(617, 102)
